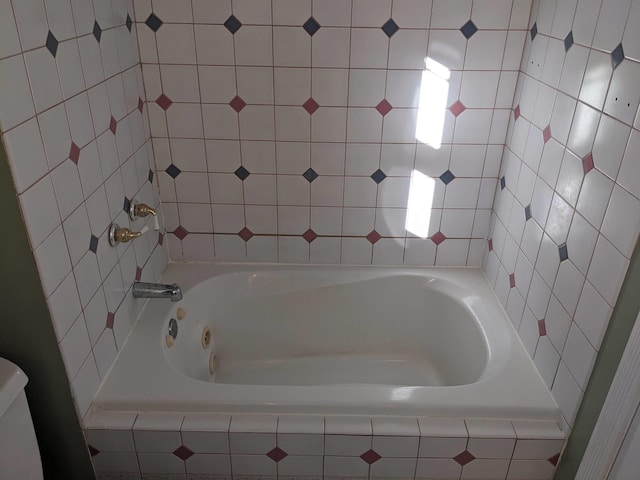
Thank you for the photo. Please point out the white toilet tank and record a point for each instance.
(19, 453)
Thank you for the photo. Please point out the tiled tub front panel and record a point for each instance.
(216, 447)
(285, 131)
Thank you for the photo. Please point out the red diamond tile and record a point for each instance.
(74, 153)
(140, 104)
(370, 456)
(373, 236)
(546, 133)
(457, 108)
(113, 125)
(310, 106)
(164, 102)
(93, 451)
(237, 104)
(587, 163)
(309, 235)
(180, 232)
(138, 273)
(542, 328)
(245, 234)
(490, 242)
(438, 238)
(512, 280)
(516, 112)
(464, 458)
(554, 460)
(110, 319)
(182, 452)
(384, 107)
(277, 454)
(160, 239)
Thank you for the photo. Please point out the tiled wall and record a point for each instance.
(285, 130)
(566, 218)
(262, 447)
(75, 127)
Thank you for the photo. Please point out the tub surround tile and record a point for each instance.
(441, 447)
(301, 424)
(251, 443)
(158, 422)
(207, 422)
(253, 424)
(395, 446)
(442, 427)
(301, 443)
(490, 428)
(395, 426)
(111, 440)
(346, 445)
(348, 425)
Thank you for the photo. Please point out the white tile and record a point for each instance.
(290, 12)
(253, 465)
(70, 68)
(176, 44)
(366, 87)
(622, 221)
(629, 173)
(291, 47)
(583, 129)
(346, 445)
(581, 243)
(610, 26)
(26, 154)
(45, 87)
(160, 463)
(609, 146)
(85, 385)
(253, 424)
(75, 347)
(64, 306)
(568, 286)
(364, 125)
(547, 360)
(300, 465)
(126, 462)
(407, 49)
(485, 469)
(566, 393)
(592, 315)
(209, 464)
(16, 102)
(584, 24)
(491, 447)
(110, 440)
(348, 425)
(607, 270)
(351, 467)
(594, 197)
(301, 443)
(206, 35)
(253, 46)
(396, 446)
(356, 251)
(330, 47)
(396, 468)
(489, 428)
(441, 447)
(40, 211)
(428, 468)
(332, 13)
(53, 261)
(104, 352)
(10, 44)
(579, 356)
(557, 323)
(596, 79)
(530, 469)
(292, 124)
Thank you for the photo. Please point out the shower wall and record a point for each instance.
(74, 124)
(567, 214)
(285, 130)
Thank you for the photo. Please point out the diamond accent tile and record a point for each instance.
(153, 22)
(563, 252)
(527, 212)
(542, 328)
(370, 456)
(74, 153)
(310, 175)
(546, 133)
(180, 232)
(390, 27)
(242, 173)
(554, 460)
(373, 236)
(490, 244)
(93, 244)
(503, 183)
(469, 29)
(129, 23)
(516, 112)
(150, 176)
(447, 177)
(111, 317)
(512, 280)
(160, 239)
(276, 454)
(534, 31)
(52, 44)
(310, 106)
(378, 176)
(587, 163)
(173, 171)
(616, 56)
(126, 205)
(245, 234)
(311, 26)
(457, 108)
(182, 452)
(93, 451)
(140, 105)
(568, 41)
(438, 238)
(97, 31)
(232, 24)
(138, 273)
(164, 102)
(464, 458)
(384, 107)
(113, 125)
(309, 235)
(237, 103)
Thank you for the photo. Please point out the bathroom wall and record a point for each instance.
(567, 214)
(75, 127)
(285, 130)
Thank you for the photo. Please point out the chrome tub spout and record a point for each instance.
(156, 290)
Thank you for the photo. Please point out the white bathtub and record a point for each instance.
(329, 340)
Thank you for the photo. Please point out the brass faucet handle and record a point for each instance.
(121, 235)
(142, 210)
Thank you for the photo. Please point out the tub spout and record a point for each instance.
(156, 290)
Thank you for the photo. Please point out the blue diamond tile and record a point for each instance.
(534, 31)
(617, 56)
(242, 173)
(126, 205)
(232, 24)
(173, 171)
(503, 183)
(564, 253)
(468, 29)
(153, 22)
(310, 175)
(97, 31)
(52, 44)
(129, 23)
(447, 177)
(150, 176)
(527, 212)
(390, 27)
(568, 41)
(378, 176)
(311, 26)
(93, 244)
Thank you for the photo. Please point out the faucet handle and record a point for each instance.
(122, 235)
(140, 210)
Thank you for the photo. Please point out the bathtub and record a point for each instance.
(327, 340)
